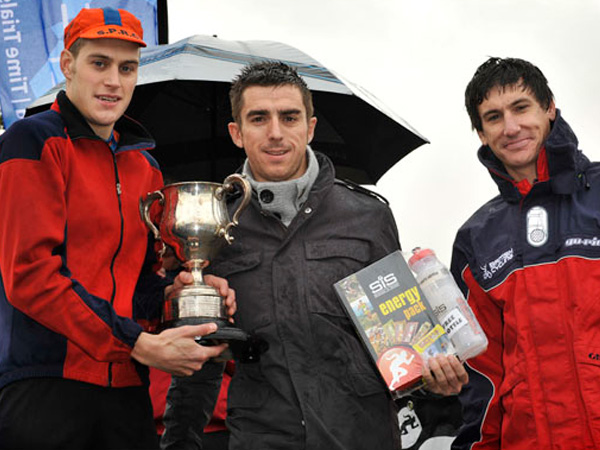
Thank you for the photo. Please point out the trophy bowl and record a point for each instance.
(194, 222)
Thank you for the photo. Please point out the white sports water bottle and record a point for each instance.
(448, 304)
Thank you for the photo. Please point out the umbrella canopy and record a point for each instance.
(182, 99)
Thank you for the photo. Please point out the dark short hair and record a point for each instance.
(76, 46)
(267, 73)
(503, 72)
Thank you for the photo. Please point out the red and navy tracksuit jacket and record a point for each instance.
(529, 265)
(75, 257)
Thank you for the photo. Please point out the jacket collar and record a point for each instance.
(326, 176)
(132, 135)
(565, 163)
(320, 189)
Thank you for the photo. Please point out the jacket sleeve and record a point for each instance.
(482, 419)
(35, 276)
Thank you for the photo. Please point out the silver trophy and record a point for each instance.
(195, 223)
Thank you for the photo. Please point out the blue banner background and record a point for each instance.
(31, 39)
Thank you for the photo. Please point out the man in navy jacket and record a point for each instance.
(528, 262)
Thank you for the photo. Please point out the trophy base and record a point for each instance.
(225, 332)
(196, 305)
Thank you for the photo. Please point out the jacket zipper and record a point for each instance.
(112, 263)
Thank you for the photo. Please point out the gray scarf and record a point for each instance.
(284, 198)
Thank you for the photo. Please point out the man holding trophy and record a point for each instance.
(76, 260)
(303, 230)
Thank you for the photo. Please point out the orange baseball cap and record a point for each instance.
(102, 23)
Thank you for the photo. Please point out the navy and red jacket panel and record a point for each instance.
(75, 257)
(529, 265)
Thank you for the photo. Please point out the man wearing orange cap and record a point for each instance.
(76, 261)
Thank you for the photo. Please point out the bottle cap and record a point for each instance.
(419, 254)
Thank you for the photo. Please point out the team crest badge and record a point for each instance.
(537, 226)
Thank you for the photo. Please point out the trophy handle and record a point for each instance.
(145, 210)
(228, 185)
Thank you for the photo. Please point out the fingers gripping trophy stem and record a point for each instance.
(195, 267)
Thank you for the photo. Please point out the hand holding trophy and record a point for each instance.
(195, 223)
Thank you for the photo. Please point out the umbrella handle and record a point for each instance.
(145, 204)
(228, 186)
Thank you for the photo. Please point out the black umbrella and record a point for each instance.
(182, 98)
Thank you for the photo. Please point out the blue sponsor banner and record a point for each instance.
(31, 39)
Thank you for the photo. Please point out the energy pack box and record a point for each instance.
(394, 320)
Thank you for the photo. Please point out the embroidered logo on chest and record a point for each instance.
(537, 226)
(493, 266)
